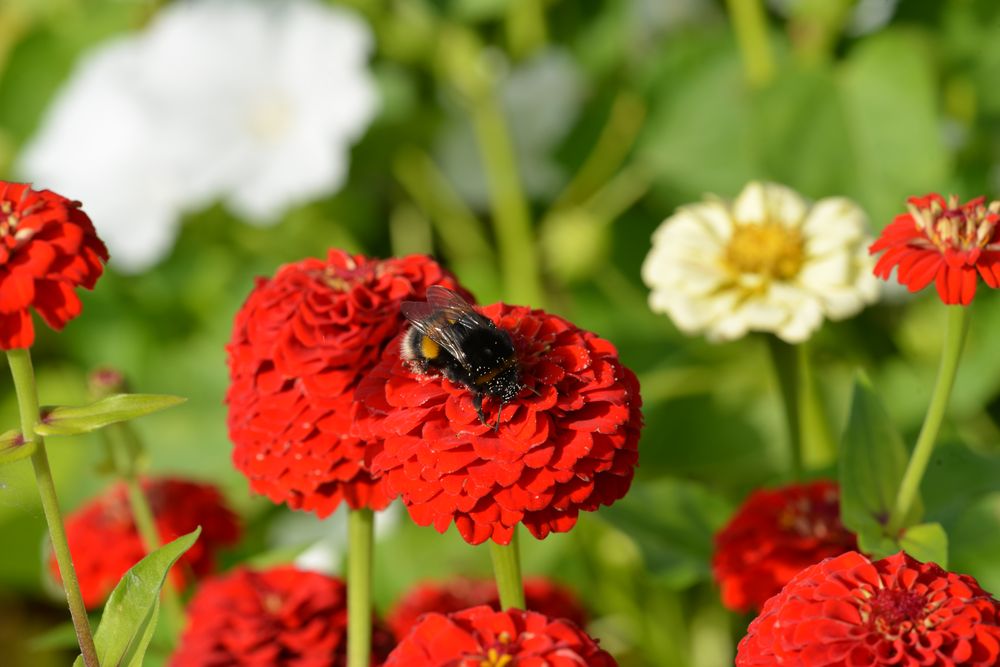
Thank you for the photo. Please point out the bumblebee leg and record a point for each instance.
(477, 403)
(496, 427)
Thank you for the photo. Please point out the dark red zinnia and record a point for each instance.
(541, 595)
(282, 617)
(945, 242)
(105, 543)
(567, 443)
(484, 637)
(775, 534)
(48, 248)
(848, 611)
(300, 344)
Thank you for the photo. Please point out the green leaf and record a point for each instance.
(64, 420)
(673, 522)
(926, 542)
(130, 613)
(14, 448)
(873, 459)
(894, 154)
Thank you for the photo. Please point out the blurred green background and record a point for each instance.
(640, 106)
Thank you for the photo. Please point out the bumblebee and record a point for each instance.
(449, 337)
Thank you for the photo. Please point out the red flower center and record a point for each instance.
(895, 612)
(806, 518)
(963, 228)
(9, 219)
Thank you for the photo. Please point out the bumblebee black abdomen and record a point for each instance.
(448, 337)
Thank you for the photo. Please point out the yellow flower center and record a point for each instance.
(498, 657)
(770, 250)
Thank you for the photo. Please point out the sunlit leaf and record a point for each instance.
(65, 420)
(873, 459)
(130, 614)
(926, 542)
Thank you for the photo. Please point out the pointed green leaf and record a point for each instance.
(66, 420)
(14, 448)
(130, 614)
(926, 542)
(873, 459)
(875, 544)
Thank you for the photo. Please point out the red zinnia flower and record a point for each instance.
(300, 344)
(282, 617)
(898, 611)
(48, 247)
(483, 637)
(773, 536)
(105, 543)
(568, 443)
(945, 242)
(541, 595)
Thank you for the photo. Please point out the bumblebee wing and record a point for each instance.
(443, 317)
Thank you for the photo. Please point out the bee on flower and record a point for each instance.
(768, 261)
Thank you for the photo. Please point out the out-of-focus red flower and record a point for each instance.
(541, 595)
(105, 542)
(567, 443)
(897, 611)
(300, 344)
(48, 248)
(773, 536)
(945, 242)
(484, 637)
(282, 617)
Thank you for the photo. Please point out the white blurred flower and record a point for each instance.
(251, 102)
(766, 262)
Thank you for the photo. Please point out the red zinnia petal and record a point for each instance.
(568, 443)
(896, 611)
(45, 239)
(300, 345)
(105, 542)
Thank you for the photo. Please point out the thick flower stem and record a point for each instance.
(786, 359)
(956, 327)
(507, 571)
(360, 541)
(27, 401)
(116, 436)
(750, 24)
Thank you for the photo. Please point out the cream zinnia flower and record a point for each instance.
(766, 262)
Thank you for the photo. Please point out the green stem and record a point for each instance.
(360, 538)
(786, 361)
(511, 217)
(507, 571)
(119, 449)
(956, 326)
(750, 24)
(27, 401)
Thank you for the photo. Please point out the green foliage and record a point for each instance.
(130, 614)
(872, 461)
(64, 420)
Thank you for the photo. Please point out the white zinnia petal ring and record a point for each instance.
(769, 261)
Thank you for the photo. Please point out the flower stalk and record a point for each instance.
(27, 402)
(956, 327)
(360, 546)
(750, 24)
(507, 571)
(787, 360)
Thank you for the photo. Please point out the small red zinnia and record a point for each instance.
(105, 542)
(484, 637)
(898, 611)
(282, 617)
(48, 248)
(568, 443)
(541, 595)
(300, 344)
(773, 536)
(943, 241)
